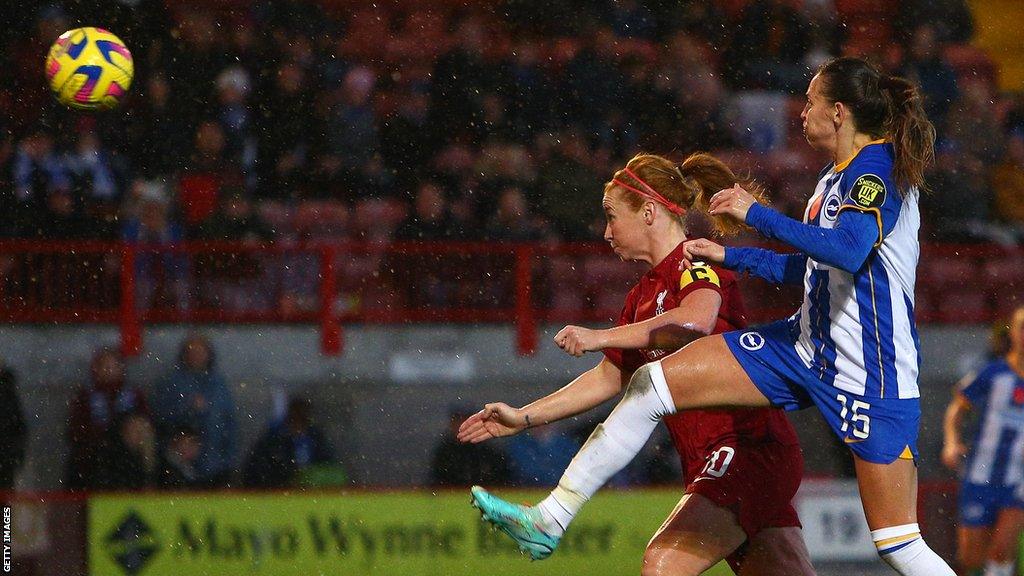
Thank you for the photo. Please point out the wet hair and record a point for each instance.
(690, 185)
(884, 106)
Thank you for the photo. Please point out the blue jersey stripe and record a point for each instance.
(821, 324)
(885, 330)
(869, 303)
(913, 329)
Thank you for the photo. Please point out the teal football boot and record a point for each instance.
(521, 523)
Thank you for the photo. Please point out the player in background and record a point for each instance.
(992, 466)
(742, 467)
(851, 350)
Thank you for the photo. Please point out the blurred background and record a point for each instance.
(320, 234)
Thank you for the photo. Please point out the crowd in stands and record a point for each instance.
(292, 120)
(181, 433)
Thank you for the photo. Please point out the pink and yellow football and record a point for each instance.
(89, 69)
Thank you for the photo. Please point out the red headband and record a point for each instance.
(650, 193)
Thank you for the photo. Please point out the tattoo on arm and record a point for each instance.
(527, 418)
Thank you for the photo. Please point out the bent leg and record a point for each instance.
(889, 495)
(704, 374)
(777, 552)
(696, 536)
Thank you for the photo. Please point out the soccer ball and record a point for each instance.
(89, 69)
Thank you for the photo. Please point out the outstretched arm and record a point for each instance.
(590, 389)
(772, 266)
(694, 317)
(845, 246)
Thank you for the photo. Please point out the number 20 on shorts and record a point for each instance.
(858, 420)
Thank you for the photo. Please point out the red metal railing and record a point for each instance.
(333, 284)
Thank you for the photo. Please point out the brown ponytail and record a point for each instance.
(884, 106)
(689, 185)
(708, 175)
(912, 134)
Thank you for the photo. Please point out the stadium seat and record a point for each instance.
(278, 216)
(375, 218)
(941, 272)
(321, 219)
(963, 304)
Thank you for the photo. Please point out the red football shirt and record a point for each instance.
(696, 433)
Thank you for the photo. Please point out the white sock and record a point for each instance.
(993, 568)
(612, 445)
(903, 548)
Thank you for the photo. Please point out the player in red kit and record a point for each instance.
(742, 467)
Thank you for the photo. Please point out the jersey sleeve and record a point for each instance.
(701, 275)
(869, 188)
(975, 386)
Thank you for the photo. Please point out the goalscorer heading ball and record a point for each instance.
(89, 69)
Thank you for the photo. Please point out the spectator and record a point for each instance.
(287, 448)
(419, 280)
(160, 273)
(457, 464)
(235, 117)
(460, 79)
(513, 222)
(13, 430)
(951, 19)
(593, 84)
(430, 219)
(936, 79)
(352, 135)
(127, 458)
(769, 45)
(566, 184)
(154, 113)
(38, 172)
(233, 280)
(539, 457)
(284, 116)
(98, 178)
(195, 394)
(178, 464)
(407, 139)
(235, 219)
(95, 409)
(207, 170)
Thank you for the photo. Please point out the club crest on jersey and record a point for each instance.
(661, 303)
(752, 341)
(699, 271)
(831, 209)
(868, 191)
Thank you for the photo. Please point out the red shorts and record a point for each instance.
(755, 480)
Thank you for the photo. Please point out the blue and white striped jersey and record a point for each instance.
(857, 330)
(997, 449)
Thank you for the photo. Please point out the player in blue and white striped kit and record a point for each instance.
(851, 351)
(992, 476)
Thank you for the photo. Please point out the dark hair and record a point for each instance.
(884, 106)
(688, 185)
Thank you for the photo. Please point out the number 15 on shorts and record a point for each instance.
(854, 415)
